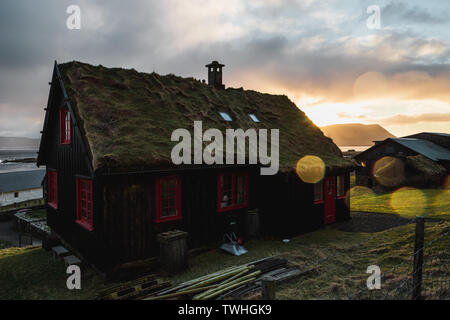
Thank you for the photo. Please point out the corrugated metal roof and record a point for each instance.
(21, 180)
(439, 134)
(425, 148)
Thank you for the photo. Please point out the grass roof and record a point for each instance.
(127, 117)
(424, 165)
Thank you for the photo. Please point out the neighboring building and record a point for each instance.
(407, 161)
(112, 186)
(20, 186)
(441, 139)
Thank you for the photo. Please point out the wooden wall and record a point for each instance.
(69, 161)
(128, 213)
(287, 206)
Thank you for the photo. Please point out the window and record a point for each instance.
(16, 194)
(232, 191)
(318, 192)
(168, 199)
(65, 128)
(84, 203)
(254, 118)
(225, 116)
(52, 188)
(340, 188)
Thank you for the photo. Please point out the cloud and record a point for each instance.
(408, 120)
(317, 51)
(345, 115)
(401, 11)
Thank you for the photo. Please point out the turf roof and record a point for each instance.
(424, 165)
(127, 117)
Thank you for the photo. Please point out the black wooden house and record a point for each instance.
(112, 186)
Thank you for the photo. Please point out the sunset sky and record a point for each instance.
(319, 53)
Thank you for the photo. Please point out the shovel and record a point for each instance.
(232, 246)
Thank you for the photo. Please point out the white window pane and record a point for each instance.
(254, 118)
(225, 116)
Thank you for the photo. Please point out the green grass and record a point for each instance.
(352, 180)
(344, 259)
(344, 273)
(37, 214)
(32, 273)
(22, 205)
(406, 202)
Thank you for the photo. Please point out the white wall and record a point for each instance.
(7, 198)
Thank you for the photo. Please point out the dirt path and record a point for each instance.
(373, 222)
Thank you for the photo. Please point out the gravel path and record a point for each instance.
(373, 222)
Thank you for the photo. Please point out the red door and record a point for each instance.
(330, 199)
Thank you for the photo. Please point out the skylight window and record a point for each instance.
(225, 116)
(254, 118)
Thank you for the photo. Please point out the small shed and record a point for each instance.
(398, 162)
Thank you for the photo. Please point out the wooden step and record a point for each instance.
(71, 260)
(60, 251)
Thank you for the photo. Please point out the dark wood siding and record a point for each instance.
(69, 161)
(129, 213)
(287, 206)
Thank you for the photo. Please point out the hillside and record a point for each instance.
(356, 134)
(17, 143)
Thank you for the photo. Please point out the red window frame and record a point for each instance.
(65, 128)
(340, 186)
(52, 188)
(168, 197)
(85, 214)
(318, 192)
(231, 190)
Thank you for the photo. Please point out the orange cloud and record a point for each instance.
(425, 117)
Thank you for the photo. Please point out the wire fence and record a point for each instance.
(424, 274)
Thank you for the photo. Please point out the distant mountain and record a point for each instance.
(356, 134)
(17, 143)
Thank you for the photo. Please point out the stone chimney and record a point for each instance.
(215, 74)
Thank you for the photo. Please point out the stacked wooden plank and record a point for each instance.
(136, 289)
(229, 281)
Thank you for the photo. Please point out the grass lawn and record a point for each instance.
(22, 205)
(41, 214)
(407, 202)
(347, 254)
(352, 180)
(32, 273)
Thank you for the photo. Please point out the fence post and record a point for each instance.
(418, 258)
(268, 288)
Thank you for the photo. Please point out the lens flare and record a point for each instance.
(311, 169)
(407, 200)
(357, 191)
(389, 171)
(442, 200)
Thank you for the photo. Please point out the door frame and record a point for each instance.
(329, 198)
